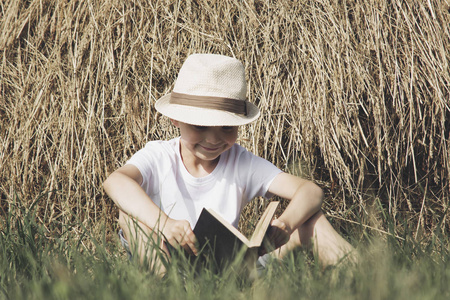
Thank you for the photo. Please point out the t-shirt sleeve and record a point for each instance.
(257, 174)
(146, 161)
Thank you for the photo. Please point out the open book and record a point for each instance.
(220, 241)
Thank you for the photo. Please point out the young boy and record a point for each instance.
(165, 185)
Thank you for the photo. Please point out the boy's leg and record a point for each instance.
(144, 243)
(318, 233)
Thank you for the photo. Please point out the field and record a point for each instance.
(354, 96)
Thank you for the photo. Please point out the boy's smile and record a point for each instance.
(201, 146)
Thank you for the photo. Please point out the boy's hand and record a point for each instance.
(178, 233)
(277, 236)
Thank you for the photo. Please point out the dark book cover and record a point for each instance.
(220, 242)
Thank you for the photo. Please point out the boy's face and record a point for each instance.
(207, 142)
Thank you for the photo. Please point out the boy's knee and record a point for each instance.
(125, 223)
(304, 235)
(122, 217)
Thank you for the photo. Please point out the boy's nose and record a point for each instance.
(212, 137)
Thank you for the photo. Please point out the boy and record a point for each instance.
(165, 185)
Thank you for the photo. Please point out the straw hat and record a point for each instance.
(210, 91)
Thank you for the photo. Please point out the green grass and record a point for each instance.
(85, 265)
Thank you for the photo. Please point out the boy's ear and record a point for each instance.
(175, 123)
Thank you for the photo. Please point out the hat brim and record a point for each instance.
(204, 116)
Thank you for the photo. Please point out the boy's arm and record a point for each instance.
(123, 187)
(305, 200)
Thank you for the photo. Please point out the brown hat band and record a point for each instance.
(218, 103)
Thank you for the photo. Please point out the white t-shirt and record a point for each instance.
(238, 178)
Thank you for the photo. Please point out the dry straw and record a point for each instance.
(355, 95)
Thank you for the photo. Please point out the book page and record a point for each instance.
(263, 224)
